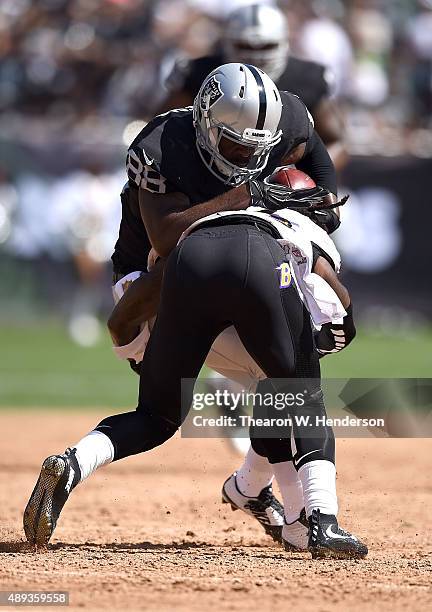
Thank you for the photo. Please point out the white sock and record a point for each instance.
(93, 451)
(319, 486)
(291, 489)
(255, 474)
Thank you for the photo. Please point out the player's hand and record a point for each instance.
(274, 196)
(327, 220)
(135, 366)
(326, 340)
(271, 195)
(334, 337)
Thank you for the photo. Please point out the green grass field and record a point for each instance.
(42, 367)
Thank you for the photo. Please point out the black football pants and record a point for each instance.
(217, 277)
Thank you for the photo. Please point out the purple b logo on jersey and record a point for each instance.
(285, 276)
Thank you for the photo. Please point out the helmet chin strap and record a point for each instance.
(211, 164)
(223, 168)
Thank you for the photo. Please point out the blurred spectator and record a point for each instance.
(419, 34)
(70, 60)
(72, 217)
(8, 205)
(323, 39)
(78, 78)
(372, 36)
(220, 9)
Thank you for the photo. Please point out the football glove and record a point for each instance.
(135, 366)
(333, 338)
(275, 197)
(326, 219)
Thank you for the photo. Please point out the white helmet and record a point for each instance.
(257, 34)
(241, 103)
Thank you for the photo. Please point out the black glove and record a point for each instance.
(333, 338)
(275, 197)
(326, 219)
(136, 367)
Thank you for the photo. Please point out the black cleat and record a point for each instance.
(58, 476)
(328, 540)
(265, 508)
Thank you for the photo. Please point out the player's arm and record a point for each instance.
(167, 216)
(323, 268)
(330, 126)
(137, 305)
(332, 337)
(317, 163)
(165, 211)
(312, 158)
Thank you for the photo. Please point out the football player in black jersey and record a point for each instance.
(182, 167)
(172, 158)
(258, 34)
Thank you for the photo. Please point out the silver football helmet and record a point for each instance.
(257, 34)
(240, 103)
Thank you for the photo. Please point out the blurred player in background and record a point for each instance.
(258, 34)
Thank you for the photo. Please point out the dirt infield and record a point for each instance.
(150, 532)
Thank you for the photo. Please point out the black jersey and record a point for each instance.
(133, 245)
(304, 78)
(164, 158)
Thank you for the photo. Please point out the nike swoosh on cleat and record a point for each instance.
(338, 536)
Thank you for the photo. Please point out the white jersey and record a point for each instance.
(290, 224)
(297, 236)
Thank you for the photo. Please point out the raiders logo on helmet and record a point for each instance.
(211, 93)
